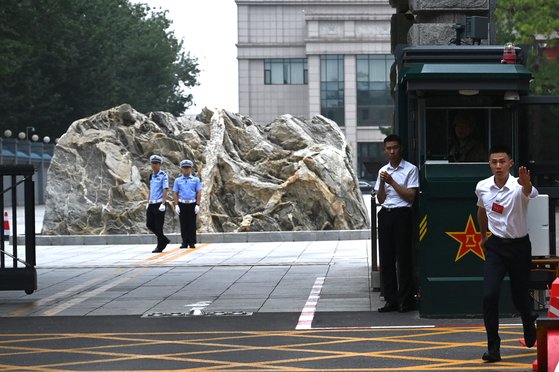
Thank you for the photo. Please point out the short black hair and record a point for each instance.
(393, 138)
(497, 149)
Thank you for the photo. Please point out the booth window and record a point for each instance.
(459, 135)
(539, 133)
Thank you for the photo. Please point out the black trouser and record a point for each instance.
(395, 253)
(187, 218)
(154, 221)
(503, 256)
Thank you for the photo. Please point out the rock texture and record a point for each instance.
(288, 175)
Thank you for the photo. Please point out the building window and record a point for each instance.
(332, 87)
(370, 158)
(375, 106)
(280, 71)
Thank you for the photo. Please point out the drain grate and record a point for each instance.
(196, 312)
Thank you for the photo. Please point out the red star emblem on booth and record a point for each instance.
(469, 240)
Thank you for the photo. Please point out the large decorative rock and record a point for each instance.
(288, 175)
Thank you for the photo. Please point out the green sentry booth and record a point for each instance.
(435, 86)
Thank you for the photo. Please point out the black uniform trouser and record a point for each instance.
(395, 253)
(514, 257)
(154, 221)
(187, 219)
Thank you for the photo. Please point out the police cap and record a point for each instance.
(186, 163)
(155, 159)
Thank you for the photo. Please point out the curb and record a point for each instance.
(238, 237)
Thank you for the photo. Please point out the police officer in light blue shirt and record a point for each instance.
(187, 192)
(155, 211)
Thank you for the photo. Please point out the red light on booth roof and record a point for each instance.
(509, 54)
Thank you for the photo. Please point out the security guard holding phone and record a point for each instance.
(187, 192)
(155, 209)
(396, 189)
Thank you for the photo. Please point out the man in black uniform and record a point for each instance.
(155, 209)
(396, 187)
(502, 210)
(187, 192)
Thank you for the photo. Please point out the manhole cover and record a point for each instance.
(196, 312)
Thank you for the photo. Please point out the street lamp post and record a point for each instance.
(29, 133)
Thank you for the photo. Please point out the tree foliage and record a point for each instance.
(534, 23)
(66, 59)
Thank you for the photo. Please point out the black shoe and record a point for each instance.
(491, 356)
(167, 241)
(192, 246)
(184, 245)
(530, 335)
(388, 307)
(157, 250)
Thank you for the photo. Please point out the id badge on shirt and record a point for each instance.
(497, 208)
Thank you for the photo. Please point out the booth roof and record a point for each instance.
(487, 76)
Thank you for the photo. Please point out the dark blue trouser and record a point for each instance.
(395, 253)
(154, 221)
(187, 219)
(506, 256)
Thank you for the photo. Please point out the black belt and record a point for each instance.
(395, 209)
(509, 240)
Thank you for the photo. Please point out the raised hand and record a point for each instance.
(524, 176)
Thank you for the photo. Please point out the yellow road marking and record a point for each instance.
(85, 296)
(327, 338)
(184, 253)
(160, 255)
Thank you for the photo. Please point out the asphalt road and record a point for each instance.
(336, 342)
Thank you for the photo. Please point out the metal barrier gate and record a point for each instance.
(17, 273)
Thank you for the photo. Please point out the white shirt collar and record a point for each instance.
(400, 165)
(508, 185)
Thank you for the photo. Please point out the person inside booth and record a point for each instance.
(466, 147)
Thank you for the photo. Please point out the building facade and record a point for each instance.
(14, 151)
(329, 57)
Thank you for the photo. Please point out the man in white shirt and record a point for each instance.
(396, 188)
(502, 210)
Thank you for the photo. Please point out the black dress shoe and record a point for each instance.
(530, 335)
(157, 250)
(491, 356)
(388, 307)
(192, 246)
(184, 245)
(167, 241)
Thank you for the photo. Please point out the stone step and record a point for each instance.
(233, 237)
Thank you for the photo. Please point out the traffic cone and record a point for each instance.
(6, 227)
(552, 335)
(553, 311)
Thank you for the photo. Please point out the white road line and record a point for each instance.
(63, 294)
(72, 291)
(79, 299)
(307, 315)
(87, 295)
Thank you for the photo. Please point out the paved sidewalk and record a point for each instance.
(227, 277)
